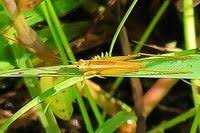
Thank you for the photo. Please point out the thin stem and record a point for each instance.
(60, 31)
(84, 113)
(120, 26)
(190, 43)
(168, 124)
(146, 34)
(195, 122)
(151, 26)
(54, 33)
(93, 105)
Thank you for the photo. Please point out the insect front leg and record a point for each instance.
(93, 73)
(90, 73)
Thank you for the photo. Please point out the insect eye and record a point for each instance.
(80, 62)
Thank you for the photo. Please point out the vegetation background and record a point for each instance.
(54, 34)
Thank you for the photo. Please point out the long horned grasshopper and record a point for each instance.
(103, 66)
(109, 66)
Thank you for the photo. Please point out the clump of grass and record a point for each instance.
(179, 65)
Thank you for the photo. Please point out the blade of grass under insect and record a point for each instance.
(113, 123)
(121, 25)
(173, 122)
(50, 92)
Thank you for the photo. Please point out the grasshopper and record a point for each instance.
(108, 66)
(105, 66)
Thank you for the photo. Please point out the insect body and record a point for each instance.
(112, 66)
(108, 67)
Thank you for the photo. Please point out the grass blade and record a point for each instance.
(50, 92)
(113, 123)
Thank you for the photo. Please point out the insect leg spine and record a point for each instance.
(101, 57)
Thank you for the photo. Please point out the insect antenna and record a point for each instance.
(150, 46)
(168, 48)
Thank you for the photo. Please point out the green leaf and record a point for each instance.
(61, 103)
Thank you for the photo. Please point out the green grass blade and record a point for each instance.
(120, 26)
(195, 124)
(50, 92)
(93, 105)
(113, 123)
(189, 24)
(151, 26)
(168, 124)
(54, 33)
(190, 43)
(60, 32)
(147, 33)
(84, 113)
